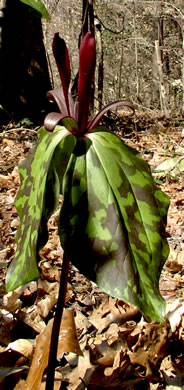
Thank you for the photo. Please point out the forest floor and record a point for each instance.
(115, 348)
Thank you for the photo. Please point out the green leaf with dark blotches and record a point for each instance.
(41, 179)
(112, 222)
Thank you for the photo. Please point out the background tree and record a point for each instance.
(24, 76)
(128, 56)
(128, 32)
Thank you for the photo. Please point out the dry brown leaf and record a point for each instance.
(46, 304)
(112, 311)
(30, 290)
(119, 365)
(82, 373)
(9, 142)
(21, 385)
(150, 347)
(11, 300)
(31, 317)
(167, 366)
(50, 289)
(4, 180)
(180, 257)
(10, 358)
(15, 223)
(5, 329)
(112, 334)
(105, 314)
(82, 323)
(168, 286)
(57, 382)
(175, 313)
(102, 354)
(40, 359)
(67, 343)
(3, 255)
(49, 272)
(172, 261)
(23, 346)
(67, 336)
(173, 378)
(44, 286)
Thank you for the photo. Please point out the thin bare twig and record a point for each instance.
(19, 129)
(107, 28)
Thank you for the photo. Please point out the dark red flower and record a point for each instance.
(78, 111)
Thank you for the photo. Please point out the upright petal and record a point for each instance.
(87, 63)
(57, 95)
(61, 55)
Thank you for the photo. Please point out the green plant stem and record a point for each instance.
(56, 324)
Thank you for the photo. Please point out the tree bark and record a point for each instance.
(24, 76)
(163, 93)
(136, 53)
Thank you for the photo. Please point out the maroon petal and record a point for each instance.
(61, 55)
(57, 95)
(119, 103)
(52, 119)
(86, 72)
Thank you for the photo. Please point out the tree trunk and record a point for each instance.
(163, 93)
(136, 53)
(24, 76)
(161, 33)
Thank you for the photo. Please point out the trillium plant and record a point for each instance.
(113, 216)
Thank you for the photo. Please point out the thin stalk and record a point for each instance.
(56, 324)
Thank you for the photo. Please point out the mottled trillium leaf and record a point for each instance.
(41, 175)
(112, 222)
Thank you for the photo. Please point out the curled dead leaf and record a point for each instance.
(23, 346)
(67, 336)
(150, 347)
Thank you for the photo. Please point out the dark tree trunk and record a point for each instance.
(24, 76)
